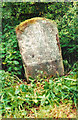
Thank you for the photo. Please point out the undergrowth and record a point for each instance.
(22, 99)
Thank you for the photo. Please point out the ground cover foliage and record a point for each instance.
(47, 95)
(20, 99)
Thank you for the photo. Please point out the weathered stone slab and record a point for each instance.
(39, 46)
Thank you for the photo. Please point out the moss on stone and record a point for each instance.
(20, 28)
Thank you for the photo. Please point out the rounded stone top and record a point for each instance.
(20, 28)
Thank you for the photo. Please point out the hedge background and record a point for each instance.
(64, 13)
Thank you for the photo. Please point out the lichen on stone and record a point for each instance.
(20, 28)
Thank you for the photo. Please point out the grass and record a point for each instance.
(40, 98)
(49, 111)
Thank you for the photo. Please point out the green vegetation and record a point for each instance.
(63, 13)
(20, 98)
(41, 95)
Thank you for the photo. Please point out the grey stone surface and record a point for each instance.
(39, 46)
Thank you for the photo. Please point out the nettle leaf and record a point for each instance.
(16, 68)
(17, 91)
(16, 62)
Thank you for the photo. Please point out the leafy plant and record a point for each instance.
(11, 58)
(65, 18)
(19, 96)
(48, 95)
(67, 27)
